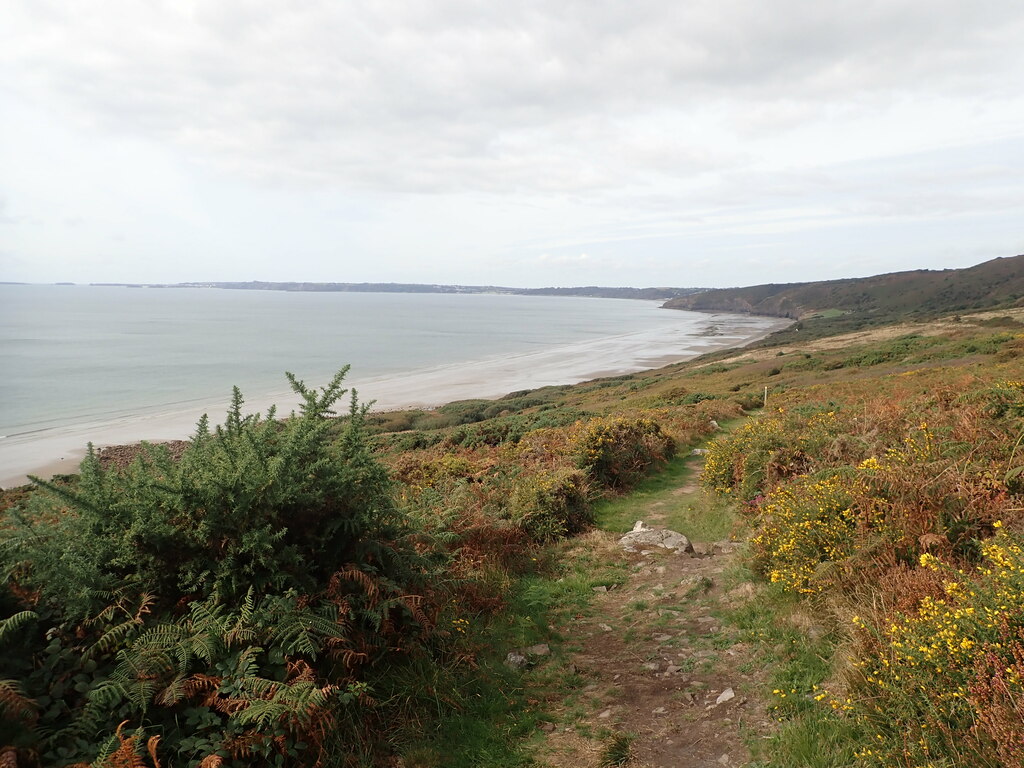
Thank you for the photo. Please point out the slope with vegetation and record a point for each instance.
(325, 590)
(835, 306)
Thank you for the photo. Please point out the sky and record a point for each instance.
(644, 143)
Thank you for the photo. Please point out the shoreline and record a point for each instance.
(59, 450)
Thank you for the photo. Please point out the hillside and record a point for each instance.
(445, 587)
(854, 303)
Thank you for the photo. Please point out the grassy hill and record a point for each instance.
(834, 306)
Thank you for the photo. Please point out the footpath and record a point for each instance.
(667, 682)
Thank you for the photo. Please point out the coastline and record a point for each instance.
(59, 451)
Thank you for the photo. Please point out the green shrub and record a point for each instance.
(552, 505)
(233, 602)
(615, 451)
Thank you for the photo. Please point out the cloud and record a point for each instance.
(514, 98)
(458, 141)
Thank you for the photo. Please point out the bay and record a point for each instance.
(115, 364)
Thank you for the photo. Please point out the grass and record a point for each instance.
(618, 750)
(810, 733)
(696, 514)
(501, 710)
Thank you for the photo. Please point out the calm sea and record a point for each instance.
(75, 355)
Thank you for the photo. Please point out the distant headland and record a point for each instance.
(591, 291)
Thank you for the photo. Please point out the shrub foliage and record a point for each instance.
(232, 603)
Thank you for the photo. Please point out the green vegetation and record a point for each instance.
(893, 509)
(282, 594)
(345, 589)
(840, 306)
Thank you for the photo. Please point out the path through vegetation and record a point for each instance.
(665, 681)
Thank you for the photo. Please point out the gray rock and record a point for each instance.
(725, 696)
(605, 715)
(641, 537)
(516, 660)
(599, 589)
(699, 451)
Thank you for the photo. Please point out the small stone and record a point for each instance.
(605, 715)
(541, 649)
(725, 696)
(605, 627)
(515, 660)
(662, 638)
(651, 665)
(725, 760)
(660, 711)
(547, 727)
(671, 669)
(600, 589)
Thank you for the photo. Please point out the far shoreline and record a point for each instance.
(62, 451)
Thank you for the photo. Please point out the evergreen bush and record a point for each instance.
(232, 603)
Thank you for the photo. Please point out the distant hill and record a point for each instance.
(857, 302)
(654, 294)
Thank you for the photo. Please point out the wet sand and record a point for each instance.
(46, 452)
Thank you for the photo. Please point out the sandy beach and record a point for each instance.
(50, 451)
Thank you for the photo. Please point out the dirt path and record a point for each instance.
(659, 666)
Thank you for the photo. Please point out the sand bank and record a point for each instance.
(59, 450)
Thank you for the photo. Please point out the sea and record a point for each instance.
(119, 364)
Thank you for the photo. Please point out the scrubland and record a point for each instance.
(343, 590)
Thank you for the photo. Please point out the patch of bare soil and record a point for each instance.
(659, 665)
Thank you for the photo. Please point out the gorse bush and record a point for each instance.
(233, 603)
(615, 451)
(803, 524)
(947, 677)
(882, 508)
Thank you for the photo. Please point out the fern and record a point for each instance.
(10, 625)
(15, 705)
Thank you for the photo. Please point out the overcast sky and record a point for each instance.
(649, 142)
